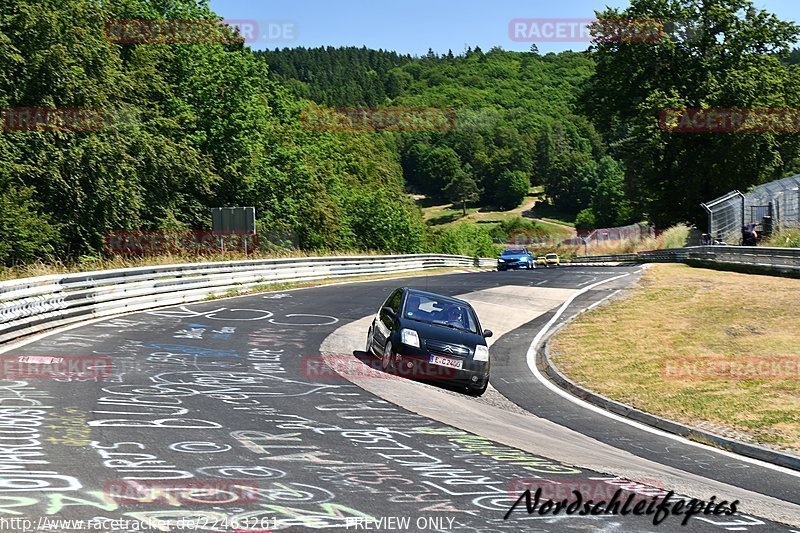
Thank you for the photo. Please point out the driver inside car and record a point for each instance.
(455, 317)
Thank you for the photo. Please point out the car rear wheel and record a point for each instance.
(387, 361)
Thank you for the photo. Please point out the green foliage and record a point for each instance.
(379, 225)
(25, 234)
(215, 124)
(465, 239)
(676, 237)
(502, 101)
(610, 204)
(784, 239)
(586, 220)
(511, 188)
(517, 225)
(732, 60)
(568, 150)
(340, 77)
(194, 126)
(462, 189)
(437, 168)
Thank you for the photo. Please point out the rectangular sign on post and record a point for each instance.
(233, 220)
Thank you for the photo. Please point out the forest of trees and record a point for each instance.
(216, 124)
(728, 55)
(585, 125)
(515, 123)
(338, 77)
(206, 128)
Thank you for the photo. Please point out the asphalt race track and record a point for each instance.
(221, 416)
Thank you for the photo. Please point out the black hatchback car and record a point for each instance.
(428, 336)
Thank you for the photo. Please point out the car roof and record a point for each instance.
(515, 250)
(438, 296)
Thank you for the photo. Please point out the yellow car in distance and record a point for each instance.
(541, 260)
(552, 260)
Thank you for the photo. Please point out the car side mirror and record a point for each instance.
(487, 334)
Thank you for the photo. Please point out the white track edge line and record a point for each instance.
(531, 359)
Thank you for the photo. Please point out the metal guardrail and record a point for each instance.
(32, 305)
(621, 258)
(784, 258)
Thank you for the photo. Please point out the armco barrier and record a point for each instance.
(31, 305)
(785, 260)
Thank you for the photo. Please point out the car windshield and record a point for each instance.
(440, 311)
(514, 251)
(552, 256)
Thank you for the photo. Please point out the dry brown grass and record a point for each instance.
(674, 237)
(679, 312)
(93, 264)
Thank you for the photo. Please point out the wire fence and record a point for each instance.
(779, 200)
(582, 242)
(773, 206)
(603, 237)
(725, 219)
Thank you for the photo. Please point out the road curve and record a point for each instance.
(229, 399)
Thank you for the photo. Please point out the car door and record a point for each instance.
(384, 322)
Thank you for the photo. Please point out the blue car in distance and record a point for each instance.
(514, 258)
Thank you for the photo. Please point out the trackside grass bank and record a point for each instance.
(716, 350)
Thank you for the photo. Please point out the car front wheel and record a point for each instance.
(387, 361)
(478, 391)
(370, 341)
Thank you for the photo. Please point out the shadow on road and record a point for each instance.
(374, 362)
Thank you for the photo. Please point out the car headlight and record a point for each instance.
(481, 353)
(409, 337)
(501, 260)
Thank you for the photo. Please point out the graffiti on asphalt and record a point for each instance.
(297, 454)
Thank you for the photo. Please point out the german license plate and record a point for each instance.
(446, 361)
